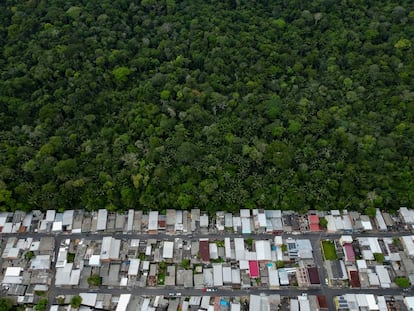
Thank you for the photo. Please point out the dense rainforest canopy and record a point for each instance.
(157, 104)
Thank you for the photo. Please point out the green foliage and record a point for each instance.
(76, 301)
(280, 264)
(40, 293)
(29, 255)
(379, 257)
(323, 222)
(165, 94)
(121, 74)
(6, 304)
(186, 263)
(329, 250)
(218, 260)
(94, 280)
(161, 278)
(162, 265)
(74, 12)
(279, 23)
(403, 44)
(215, 104)
(70, 257)
(371, 211)
(220, 243)
(402, 282)
(396, 242)
(41, 305)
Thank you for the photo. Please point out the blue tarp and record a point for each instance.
(224, 303)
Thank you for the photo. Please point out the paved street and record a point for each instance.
(315, 239)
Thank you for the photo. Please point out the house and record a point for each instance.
(227, 248)
(67, 220)
(383, 276)
(110, 249)
(263, 250)
(273, 278)
(349, 253)
(67, 276)
(133, 267)
(366, 223)
(220, 220)
(179, 222)
(57, 224)
(123, 302)
(246, 227)
(13, 275)
(239, 248)
(170, 220)
(204, 221)
(227, 276)
(254, 269)
(380, 222)
(407, 216)
(218, 275)
(130, 220)
(168, 249)
(102, 220)
(313, 276)
(204, 249)
(213, 251)
(228, 220)
(304, 249)
(153, 222)
(302, 277)
(235, 277)
(313, 223)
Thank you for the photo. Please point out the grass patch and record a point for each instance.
(329, 250)
(161, 278)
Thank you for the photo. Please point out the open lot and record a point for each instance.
(329, 251)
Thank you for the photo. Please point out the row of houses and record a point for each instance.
(128, 302)
(26, 266)
(197, 263)
(177, 221)
(228, 262)
(371, 262)
(371, 302)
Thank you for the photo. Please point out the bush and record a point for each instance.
(41, 305)
(29, 255)
(70, 257)
(94, 280)
(323, 222)
(185, 263)
(76, 301)
(379, 257)
(402, 282)
(6, 304)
